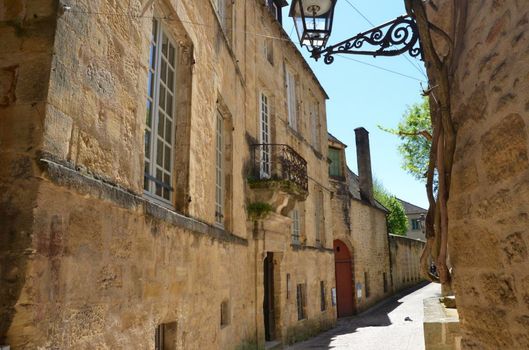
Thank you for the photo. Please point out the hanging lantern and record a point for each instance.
(313, 21)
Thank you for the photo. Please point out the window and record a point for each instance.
(291, 100)
(165, 336)
(295, 226)
(301, 299)
(274, 9)
(268, 48)
(366, 284)
(224, 313)
(319, 218)
(323, 300)
(160, 119)
(415, 224)
(265, 165)
(335, 166)
(315, 126)
(219, 170)
(220, 7)
(288, 286)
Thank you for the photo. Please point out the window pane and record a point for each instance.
(163, 71)
(171, 55)
(161, 102)
(168, 131)
(161, 123)
(335, 168)
(167, 160)
(148, 119)
(147, 144)
(159, 153)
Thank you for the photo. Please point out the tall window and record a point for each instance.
(319, 217)
(315, 126)
(219, 170)
(301, 300)
(323, 299)
(160, 123)
(221, 12)
(295, 226)
(265, 136)
(291, 100)
(165, 336)
(415, 224)
(335, 166)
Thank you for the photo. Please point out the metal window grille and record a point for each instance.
(301, 300)
(219, 170)
(160, 118)
(323, 300)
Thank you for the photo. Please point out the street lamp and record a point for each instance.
(313, 20)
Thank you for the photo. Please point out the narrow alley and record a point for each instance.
(394, 324)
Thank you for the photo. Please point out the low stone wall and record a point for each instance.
(405, 254)
(441, 326)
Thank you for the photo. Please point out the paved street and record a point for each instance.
(381, 328)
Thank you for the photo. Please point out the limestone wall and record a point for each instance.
(88, 260)
(369, 238)
(405, 254)
(489, 195)
(363, 230)
(27, 30)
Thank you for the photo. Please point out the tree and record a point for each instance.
(415, 133)
(397, 219)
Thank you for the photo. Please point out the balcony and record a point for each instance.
(278, 169)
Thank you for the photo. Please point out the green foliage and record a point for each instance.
(259, 210)
(397, 219)
(415, 146)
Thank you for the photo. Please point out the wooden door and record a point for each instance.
(344, 279)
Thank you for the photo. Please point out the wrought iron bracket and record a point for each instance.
(392, 39)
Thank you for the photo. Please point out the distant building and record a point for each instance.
(416, 217)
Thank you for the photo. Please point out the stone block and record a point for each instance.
(57, 132)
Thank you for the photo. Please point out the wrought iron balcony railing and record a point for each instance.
(279, 162)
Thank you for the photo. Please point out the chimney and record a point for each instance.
(363, 156)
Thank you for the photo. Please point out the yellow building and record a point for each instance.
(163, 177)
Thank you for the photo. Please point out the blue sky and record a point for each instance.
(364, 96)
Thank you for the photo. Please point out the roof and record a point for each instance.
(411, 208)
(332, 138)
(354, 188)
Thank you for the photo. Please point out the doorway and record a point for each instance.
(268, 303)
(345, 298)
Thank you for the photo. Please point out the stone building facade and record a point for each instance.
(360, 231)
(163, 179)
(416, 216)
(488, 233)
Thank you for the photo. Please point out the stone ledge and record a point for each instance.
(441, 326)
(297, 247)
(65, 175)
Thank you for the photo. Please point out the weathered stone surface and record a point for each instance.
(488, 202)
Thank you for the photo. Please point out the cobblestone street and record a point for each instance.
(394, 324)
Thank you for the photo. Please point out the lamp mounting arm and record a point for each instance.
(392, 39)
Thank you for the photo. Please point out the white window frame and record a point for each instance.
(295, 226)
(219, 169)
(156, 90)
(319, 216)
(265, 161)
(220, 6)
(290, 83)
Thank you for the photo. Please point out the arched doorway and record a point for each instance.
(344, 279)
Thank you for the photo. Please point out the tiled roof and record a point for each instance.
(411, 208)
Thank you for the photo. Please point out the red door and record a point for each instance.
(344, 279)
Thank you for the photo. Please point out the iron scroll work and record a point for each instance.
(393, 38)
